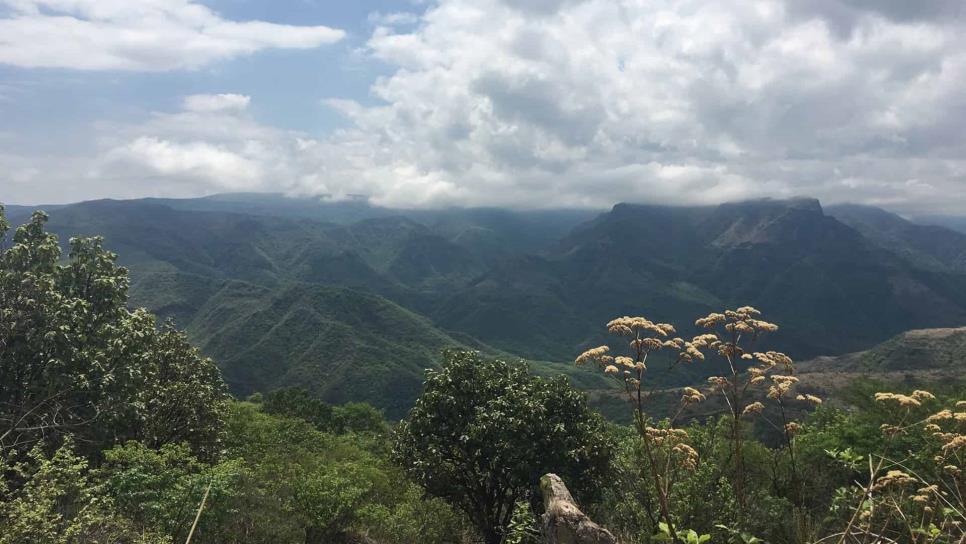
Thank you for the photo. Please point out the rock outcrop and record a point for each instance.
(563, 522)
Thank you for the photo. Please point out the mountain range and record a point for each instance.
(354, 301)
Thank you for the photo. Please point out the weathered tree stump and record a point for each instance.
(563, 522)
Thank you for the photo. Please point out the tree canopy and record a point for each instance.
(74, 360)
(484, 431)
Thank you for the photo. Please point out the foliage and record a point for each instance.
(74, 360)
(666, 452)
(522, 528)
(56, 501)
(112, 427)
(327, 487)
(281, 298)
(484, 431)
(160, 489)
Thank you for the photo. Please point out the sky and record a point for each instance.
(515, 103)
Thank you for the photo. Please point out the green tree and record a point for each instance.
(298, 402)
(483, 432)
(74, 360)
(308, 486)
(57, 502)
(359, 417)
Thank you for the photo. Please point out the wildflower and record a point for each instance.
(630, 326)
(610, 369)
(710, 321)
(747, 311)
(893, 478)
(782, 385)
(921, 395)
(961, 404)
(692, 395)
(763, 326)
(705, 341)
(624, 361)
(957, 442)
(753, 408)
(676, 343)
(775, 358)
(593, 354)
(809, 398)
(941, 415)
(690, 353)
(904, 401)
(792, 427)
(687, 456)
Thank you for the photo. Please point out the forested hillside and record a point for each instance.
(115, 429)
(283, 291)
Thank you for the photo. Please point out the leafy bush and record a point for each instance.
(484, 431)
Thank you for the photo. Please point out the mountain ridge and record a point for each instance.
(538, 285)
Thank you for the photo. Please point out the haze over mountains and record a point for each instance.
(353, 301)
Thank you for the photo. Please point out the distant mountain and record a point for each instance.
(355, 300)
(953, 222)
(926, 246)
(912, 351)
(924, 358)
(832, 289)
(342, 344)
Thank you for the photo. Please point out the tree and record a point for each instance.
(298, 402)
(358, 417)
(74, 360)
(57, 502)
(484, 431)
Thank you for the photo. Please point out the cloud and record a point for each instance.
(139, 35)
(398, 18)
(592, 102)
(588, 102)
(216, 102)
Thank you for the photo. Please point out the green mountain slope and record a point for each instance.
(356, 306)
(830, 288)
(933, 247)
(342, 344)
(920, 350)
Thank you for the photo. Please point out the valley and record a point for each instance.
(354, 301)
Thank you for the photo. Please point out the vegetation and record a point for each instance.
(715, 481)
(74, 360)
(483, 432)
(293, 292)
(116, 430)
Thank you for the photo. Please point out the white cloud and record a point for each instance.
(588, 102)
(393, 19)
(144, 35)
(591, 102)
(216, 102)
(221, 166)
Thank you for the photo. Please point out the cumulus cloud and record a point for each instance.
(397, 18)
(591, 102)
(211, 145)
(216, 102)
(143, 35)
(588, 102)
